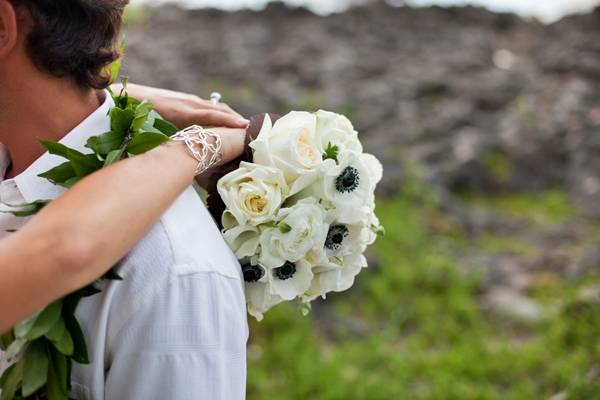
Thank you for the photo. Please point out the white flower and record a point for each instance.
(291, 279)
(375, 168)
(305, 231)
(252, 194)
(342, 239)
(347, 185)
(337, 279)
(258, 288)
(243, 240)
(292, 146)
(337, 130)
(370, 232)
(257, 312)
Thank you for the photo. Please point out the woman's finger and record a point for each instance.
(219, 118)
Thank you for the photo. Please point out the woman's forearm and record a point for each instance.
(77, 237)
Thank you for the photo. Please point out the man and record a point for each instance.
(175, 327)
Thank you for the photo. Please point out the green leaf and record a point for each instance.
(10, 381)
(65, 345)
(141, 115)
(53, 390)
(22, 328)
(88, 291)
(80, 352)
(35, 368)
(5, 340)
(60, 174)
(60, 366)
(14, 349)
(148, 126)
(26, 209)
(70, 182)
(116, 66)
(91, 142)
(22, 213)
(55, 334)
(121, 120)
(44, 321)
(145, 142)
(113, 157)
(111, 275)
(83, 164)
(33, 203)
(331, 152)
(69, 371)
(54, 147)
(165, 127)
(109, 141)
(61, 338)
(58, 379)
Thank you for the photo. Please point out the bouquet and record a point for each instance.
(300, 215)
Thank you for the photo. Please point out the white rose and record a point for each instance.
(302, 229)
(337, 130)
(291, 145)
(252, 194)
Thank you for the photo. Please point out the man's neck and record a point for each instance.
(48, 108)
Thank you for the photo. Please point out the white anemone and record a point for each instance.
(291, 279)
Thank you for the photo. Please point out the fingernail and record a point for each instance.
(243, 121)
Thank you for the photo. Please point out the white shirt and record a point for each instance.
(175, 327)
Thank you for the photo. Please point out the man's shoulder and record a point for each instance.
(185, 241)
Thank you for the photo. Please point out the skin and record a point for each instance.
(181, 108)
(83, 233)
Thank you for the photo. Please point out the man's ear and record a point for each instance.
(8, 27)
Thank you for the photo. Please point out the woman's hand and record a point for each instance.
(232, 146)
(184, 110)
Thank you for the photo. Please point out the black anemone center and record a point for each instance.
(286, 271)
(347, 181)
(252, 273)
(335, 236)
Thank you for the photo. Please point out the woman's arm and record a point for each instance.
(79, 236)
(184, 109)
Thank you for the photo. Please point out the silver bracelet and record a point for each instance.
(209, 154)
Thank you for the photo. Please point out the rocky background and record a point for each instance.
(479, 103)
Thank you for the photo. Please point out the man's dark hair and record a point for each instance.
(74, 38)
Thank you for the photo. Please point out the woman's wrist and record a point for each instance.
(203, 144)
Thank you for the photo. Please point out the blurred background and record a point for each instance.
(487, 122)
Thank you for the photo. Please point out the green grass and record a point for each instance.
(540, 209)
(413, 327)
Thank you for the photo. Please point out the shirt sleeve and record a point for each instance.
(188, 342)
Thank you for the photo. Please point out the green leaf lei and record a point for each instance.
(45, 345)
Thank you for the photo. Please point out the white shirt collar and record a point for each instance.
(31, 186)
